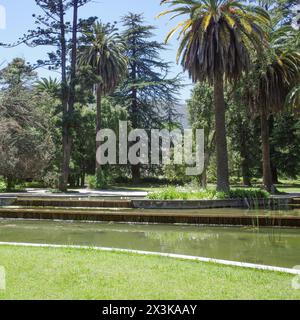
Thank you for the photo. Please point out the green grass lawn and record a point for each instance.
(292, 187)
(46, 273)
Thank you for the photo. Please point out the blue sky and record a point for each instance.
(19, 20)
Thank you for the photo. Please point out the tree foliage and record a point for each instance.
(26, 145)
(148, 91)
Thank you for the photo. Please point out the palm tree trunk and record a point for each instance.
(221, 141)
(210, 147)
(98, 122)
(245, 160)
(265, 138)
(272, 152)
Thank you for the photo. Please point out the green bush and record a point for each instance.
(176, 193)
(51, 179)
(2, 185)
(98, 181)
(101, 179)
(92, 182)
(248, 193)
(34, 184)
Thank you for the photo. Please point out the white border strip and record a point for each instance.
(167, 255)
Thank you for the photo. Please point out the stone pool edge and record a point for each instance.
(271, 203)
(86, 210)
(160, 254)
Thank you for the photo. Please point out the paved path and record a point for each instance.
(122, 193)
(287, 195)
(79, 193)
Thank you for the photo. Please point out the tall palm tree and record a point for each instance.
(275, 75)
(104, 53)
(215, 39)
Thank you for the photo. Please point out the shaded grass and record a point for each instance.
(48, 273)
(289, 188)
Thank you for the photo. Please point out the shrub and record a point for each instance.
(92, 182)
(98, 181)
(34, 184)
(102, 179)
(176, 193)
(2, 185)
(51, 179)
(249, 194)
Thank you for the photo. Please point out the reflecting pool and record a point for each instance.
(269, 246)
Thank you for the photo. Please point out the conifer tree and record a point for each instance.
(149, 93)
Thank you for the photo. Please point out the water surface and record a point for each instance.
(269, 246)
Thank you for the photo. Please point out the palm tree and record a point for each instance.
(293, 98)
(215, 41)
(275, 75)
(50, 86)
(104, 53)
